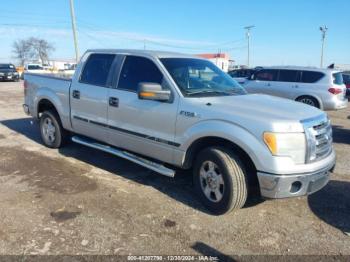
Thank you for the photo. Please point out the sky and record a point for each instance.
(285, 33)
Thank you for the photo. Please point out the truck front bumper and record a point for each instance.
(283, 186)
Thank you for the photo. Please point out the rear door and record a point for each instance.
(262, 81)
(89, 96)
(287, 83)
(142, 126)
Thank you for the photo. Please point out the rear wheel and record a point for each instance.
(52, 132)
(220, 180)
(311, 101)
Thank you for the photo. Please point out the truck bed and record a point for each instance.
(53, 87)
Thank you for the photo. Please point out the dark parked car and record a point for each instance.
(8, 73)
(346, 79)
(240, 75)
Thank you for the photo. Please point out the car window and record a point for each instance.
(35, 67)
(96, 69)
(311, 76)
(338, 78)
(346, 79)
(136, 70)
(288, 76)
(266, 75)
(234, 73)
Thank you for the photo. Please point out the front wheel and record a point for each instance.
(220, 180)
(52, 132)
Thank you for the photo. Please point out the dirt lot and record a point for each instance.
(81, 201)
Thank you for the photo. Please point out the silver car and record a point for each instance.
(321, 88)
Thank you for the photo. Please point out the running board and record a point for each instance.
(126, 155)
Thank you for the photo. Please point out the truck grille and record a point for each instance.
(319, 139)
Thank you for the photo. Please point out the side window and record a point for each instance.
(311, 76)
(136, 70)
(96, 69)
(266, 75)
(288, 76)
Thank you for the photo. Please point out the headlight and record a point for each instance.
(2, 74)
(292, 145)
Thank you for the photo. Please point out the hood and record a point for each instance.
(277, 114)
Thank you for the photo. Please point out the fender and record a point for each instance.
(62, 105)
(238, 135)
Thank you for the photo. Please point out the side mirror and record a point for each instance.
(153, 91)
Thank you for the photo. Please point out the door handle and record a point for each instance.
(76, 94)
(296, 86)
(268, 84)
(113, 101)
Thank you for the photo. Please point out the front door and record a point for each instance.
(142, 126)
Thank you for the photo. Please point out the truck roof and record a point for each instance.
(149, 53)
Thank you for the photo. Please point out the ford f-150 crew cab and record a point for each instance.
(166, 111)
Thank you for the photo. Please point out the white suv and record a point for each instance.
(321, 88)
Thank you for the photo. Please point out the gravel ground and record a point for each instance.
(78, 200)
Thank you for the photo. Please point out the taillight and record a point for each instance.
(335, 91)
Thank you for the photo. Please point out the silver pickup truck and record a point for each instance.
(165, 111)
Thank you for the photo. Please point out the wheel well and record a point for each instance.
(310, 96)
(205, 142)
(45, 105)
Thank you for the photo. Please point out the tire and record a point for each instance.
(221, 172)
(308, 100)
(52, 133)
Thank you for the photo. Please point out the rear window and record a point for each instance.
(311, 76)
(288, 76)
(96, 70)
(266, 75)
(338, 78)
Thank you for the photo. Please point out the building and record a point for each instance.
(221, 60)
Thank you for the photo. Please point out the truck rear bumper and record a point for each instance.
(283, 186)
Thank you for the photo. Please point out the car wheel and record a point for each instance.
(309, 101)
(52, 132)
(220, 180)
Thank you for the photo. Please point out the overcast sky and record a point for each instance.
(286, 32)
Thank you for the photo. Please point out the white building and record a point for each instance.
(221, 60)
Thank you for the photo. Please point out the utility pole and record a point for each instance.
(74, 31)
(247, 28)
(324, 31)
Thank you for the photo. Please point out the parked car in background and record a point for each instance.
(321, 88)
(165, 111)
(241, 75)
(8, 73)
(35, 68)
(346, 78)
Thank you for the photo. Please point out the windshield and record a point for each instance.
(197, 77)
(34, 67)
(7, 66)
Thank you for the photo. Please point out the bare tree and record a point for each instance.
(32, 48)
(40, 48)
(21, 49)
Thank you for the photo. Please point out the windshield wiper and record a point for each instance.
(215, 92)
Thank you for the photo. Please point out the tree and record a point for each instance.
(40, 48)
(21, 49)
(32, 49)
